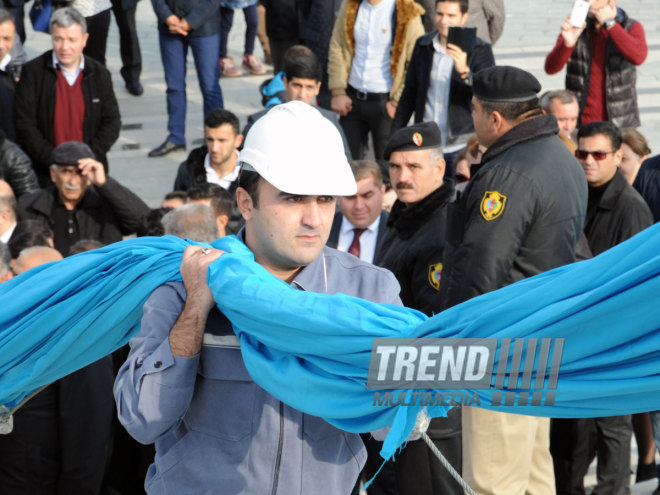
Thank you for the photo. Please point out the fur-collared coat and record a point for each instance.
(342, 45)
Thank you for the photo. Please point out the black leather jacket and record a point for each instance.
(16, 168)
(521, 214)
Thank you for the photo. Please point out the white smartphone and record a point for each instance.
(579, 13)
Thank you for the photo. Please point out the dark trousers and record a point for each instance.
(575, 442)
(366, 116)
(129, 44)
(60, 438)
(278, 48)
(97, 26)
(419, 472)
(251, 24)
(385, 481)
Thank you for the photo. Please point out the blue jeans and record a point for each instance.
(173, 53)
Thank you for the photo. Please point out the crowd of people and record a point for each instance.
(474, 179)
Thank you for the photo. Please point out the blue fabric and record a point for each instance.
(312, 350)
(273, 92)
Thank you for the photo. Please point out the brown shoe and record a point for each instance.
(253, 64)
(228, 68)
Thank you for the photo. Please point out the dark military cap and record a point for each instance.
(505, 84)
(70, 152)
(414, 137)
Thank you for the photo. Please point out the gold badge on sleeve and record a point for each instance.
(492, 205)
(435, 273)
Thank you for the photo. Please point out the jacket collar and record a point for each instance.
(48, 62)
(614, 189)
(404, 13)
(427, 39)
(312, 278)
(545, 125)
(408, 219)
(43, 203)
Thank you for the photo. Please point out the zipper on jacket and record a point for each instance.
(278, 459)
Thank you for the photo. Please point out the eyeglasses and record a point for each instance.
(598, 155)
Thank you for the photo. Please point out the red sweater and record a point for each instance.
(69, 112)
(631, 44)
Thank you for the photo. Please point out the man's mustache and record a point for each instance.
(404, 185)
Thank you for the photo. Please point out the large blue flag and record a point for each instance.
(313, 350)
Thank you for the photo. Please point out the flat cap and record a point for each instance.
(419, 136)
(505, 84)
(70, 152)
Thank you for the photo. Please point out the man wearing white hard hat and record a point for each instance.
(185, 386)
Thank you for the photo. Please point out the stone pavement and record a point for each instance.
(531, 29)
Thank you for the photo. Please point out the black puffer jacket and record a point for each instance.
(521, 214)
(620, 78)
(413, 245)
(412, 248)
(16, 168)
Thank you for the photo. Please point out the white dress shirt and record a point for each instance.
(7, 235)
(5, 62)
(367, 239)
(212, 175)
(370, 70)
(73, 75)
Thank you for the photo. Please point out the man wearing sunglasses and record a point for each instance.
(615, 212)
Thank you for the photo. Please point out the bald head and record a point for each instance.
(35, 256)
(5, 189)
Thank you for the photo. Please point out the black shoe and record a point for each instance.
(165, 148)
(135, 88)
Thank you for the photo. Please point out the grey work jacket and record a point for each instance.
(218, 432)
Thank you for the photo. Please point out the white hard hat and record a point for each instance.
(298, 151)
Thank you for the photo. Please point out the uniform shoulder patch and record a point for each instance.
(435, 273)
(492, 205)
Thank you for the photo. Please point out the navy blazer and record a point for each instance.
(418, 75)
(333, 240)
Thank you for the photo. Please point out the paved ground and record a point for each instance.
(530, 32)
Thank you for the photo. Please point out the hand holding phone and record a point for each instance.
(463, 37)
(579, 13)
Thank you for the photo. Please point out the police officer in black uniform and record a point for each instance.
(412, 248)
(521, 214)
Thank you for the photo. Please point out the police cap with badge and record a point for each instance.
(421, 136)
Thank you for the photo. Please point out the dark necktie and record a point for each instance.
(354, 248)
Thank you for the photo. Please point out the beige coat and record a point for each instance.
(342, 45)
